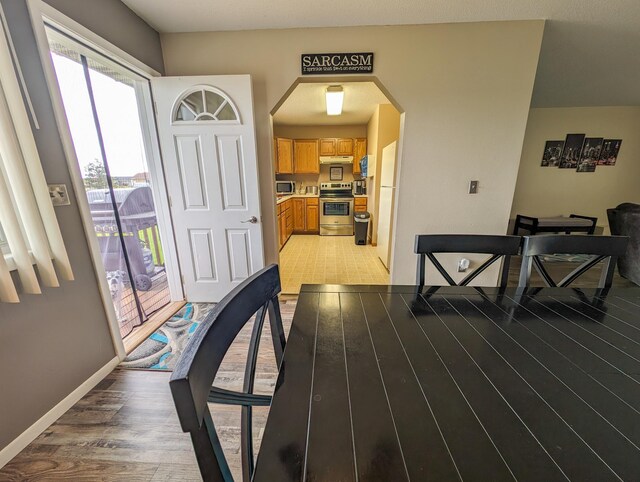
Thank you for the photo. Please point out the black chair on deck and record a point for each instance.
(605, 249)
(427, 245)
(192, 379)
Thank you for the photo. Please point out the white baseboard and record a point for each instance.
(29, 435)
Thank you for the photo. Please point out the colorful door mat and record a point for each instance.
(163, 348)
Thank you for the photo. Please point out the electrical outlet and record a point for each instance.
(59, 195)
(473, 187)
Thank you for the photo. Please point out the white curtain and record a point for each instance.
(26, 213)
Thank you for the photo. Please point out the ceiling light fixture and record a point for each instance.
(335, 97)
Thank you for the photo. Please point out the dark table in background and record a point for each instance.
(383, 383)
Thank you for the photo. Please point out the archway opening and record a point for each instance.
(336, 182)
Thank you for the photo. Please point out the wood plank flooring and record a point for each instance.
(126, 428)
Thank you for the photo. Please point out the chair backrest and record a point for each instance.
(427, 245)
(192, 379)
(600, 248)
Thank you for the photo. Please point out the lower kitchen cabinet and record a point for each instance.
(312, 216)
(297, 215)
(285, 222)
(306, 216)
(360, 204)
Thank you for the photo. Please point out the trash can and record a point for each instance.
(361, 225)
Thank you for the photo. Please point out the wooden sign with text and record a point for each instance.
(350, 63)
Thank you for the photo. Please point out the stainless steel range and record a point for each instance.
(336, 209)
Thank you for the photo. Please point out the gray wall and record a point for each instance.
(52, 343)
(461, 86)
(115, 22)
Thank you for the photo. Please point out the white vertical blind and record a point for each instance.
(26, 212)
(7, 289)
(16, 242)
(16, 177)
(32, 164)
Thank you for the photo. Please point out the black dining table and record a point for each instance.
(394, 383)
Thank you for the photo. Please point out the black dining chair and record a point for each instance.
(428, 245)
(192, 379)
(604, 249)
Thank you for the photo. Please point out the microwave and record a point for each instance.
(285, 187)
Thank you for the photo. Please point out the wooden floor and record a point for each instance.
(126, 427)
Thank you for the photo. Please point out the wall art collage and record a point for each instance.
(581, 153)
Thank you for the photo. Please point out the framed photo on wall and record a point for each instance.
(335, 173)
(590, 154)
(572, 151)
(609, 153)
(552, 153)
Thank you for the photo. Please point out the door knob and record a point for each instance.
(252, 220)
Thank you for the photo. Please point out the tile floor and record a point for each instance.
(312, 259)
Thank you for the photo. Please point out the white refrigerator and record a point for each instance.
(387, 192)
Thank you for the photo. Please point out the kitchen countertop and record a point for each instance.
(292, 196)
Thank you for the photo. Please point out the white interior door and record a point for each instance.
(207, 137)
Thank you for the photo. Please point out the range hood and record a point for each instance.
(336, 159)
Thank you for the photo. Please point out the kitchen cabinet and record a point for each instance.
(299, 215)
(305, 156)
(312, 215)
(285, 221)
(306, 215)
(289, 218)
(284, 156)
(336, 147)
(359, 151)
(360, 204)
(327, 147)
(344, 147)
(282, 227)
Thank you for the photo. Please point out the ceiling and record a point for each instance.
(306, 105)
(590, 54)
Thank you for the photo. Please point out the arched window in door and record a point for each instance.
(206, 104)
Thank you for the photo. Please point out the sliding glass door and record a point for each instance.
(103, 108)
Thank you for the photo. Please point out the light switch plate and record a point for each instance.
(59, 195)
(473, 187)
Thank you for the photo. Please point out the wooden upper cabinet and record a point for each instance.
(284, 156)
(344, 147)
(359, 151)
(327, 147)
(305, 156)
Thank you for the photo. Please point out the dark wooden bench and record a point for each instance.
(561, 224)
